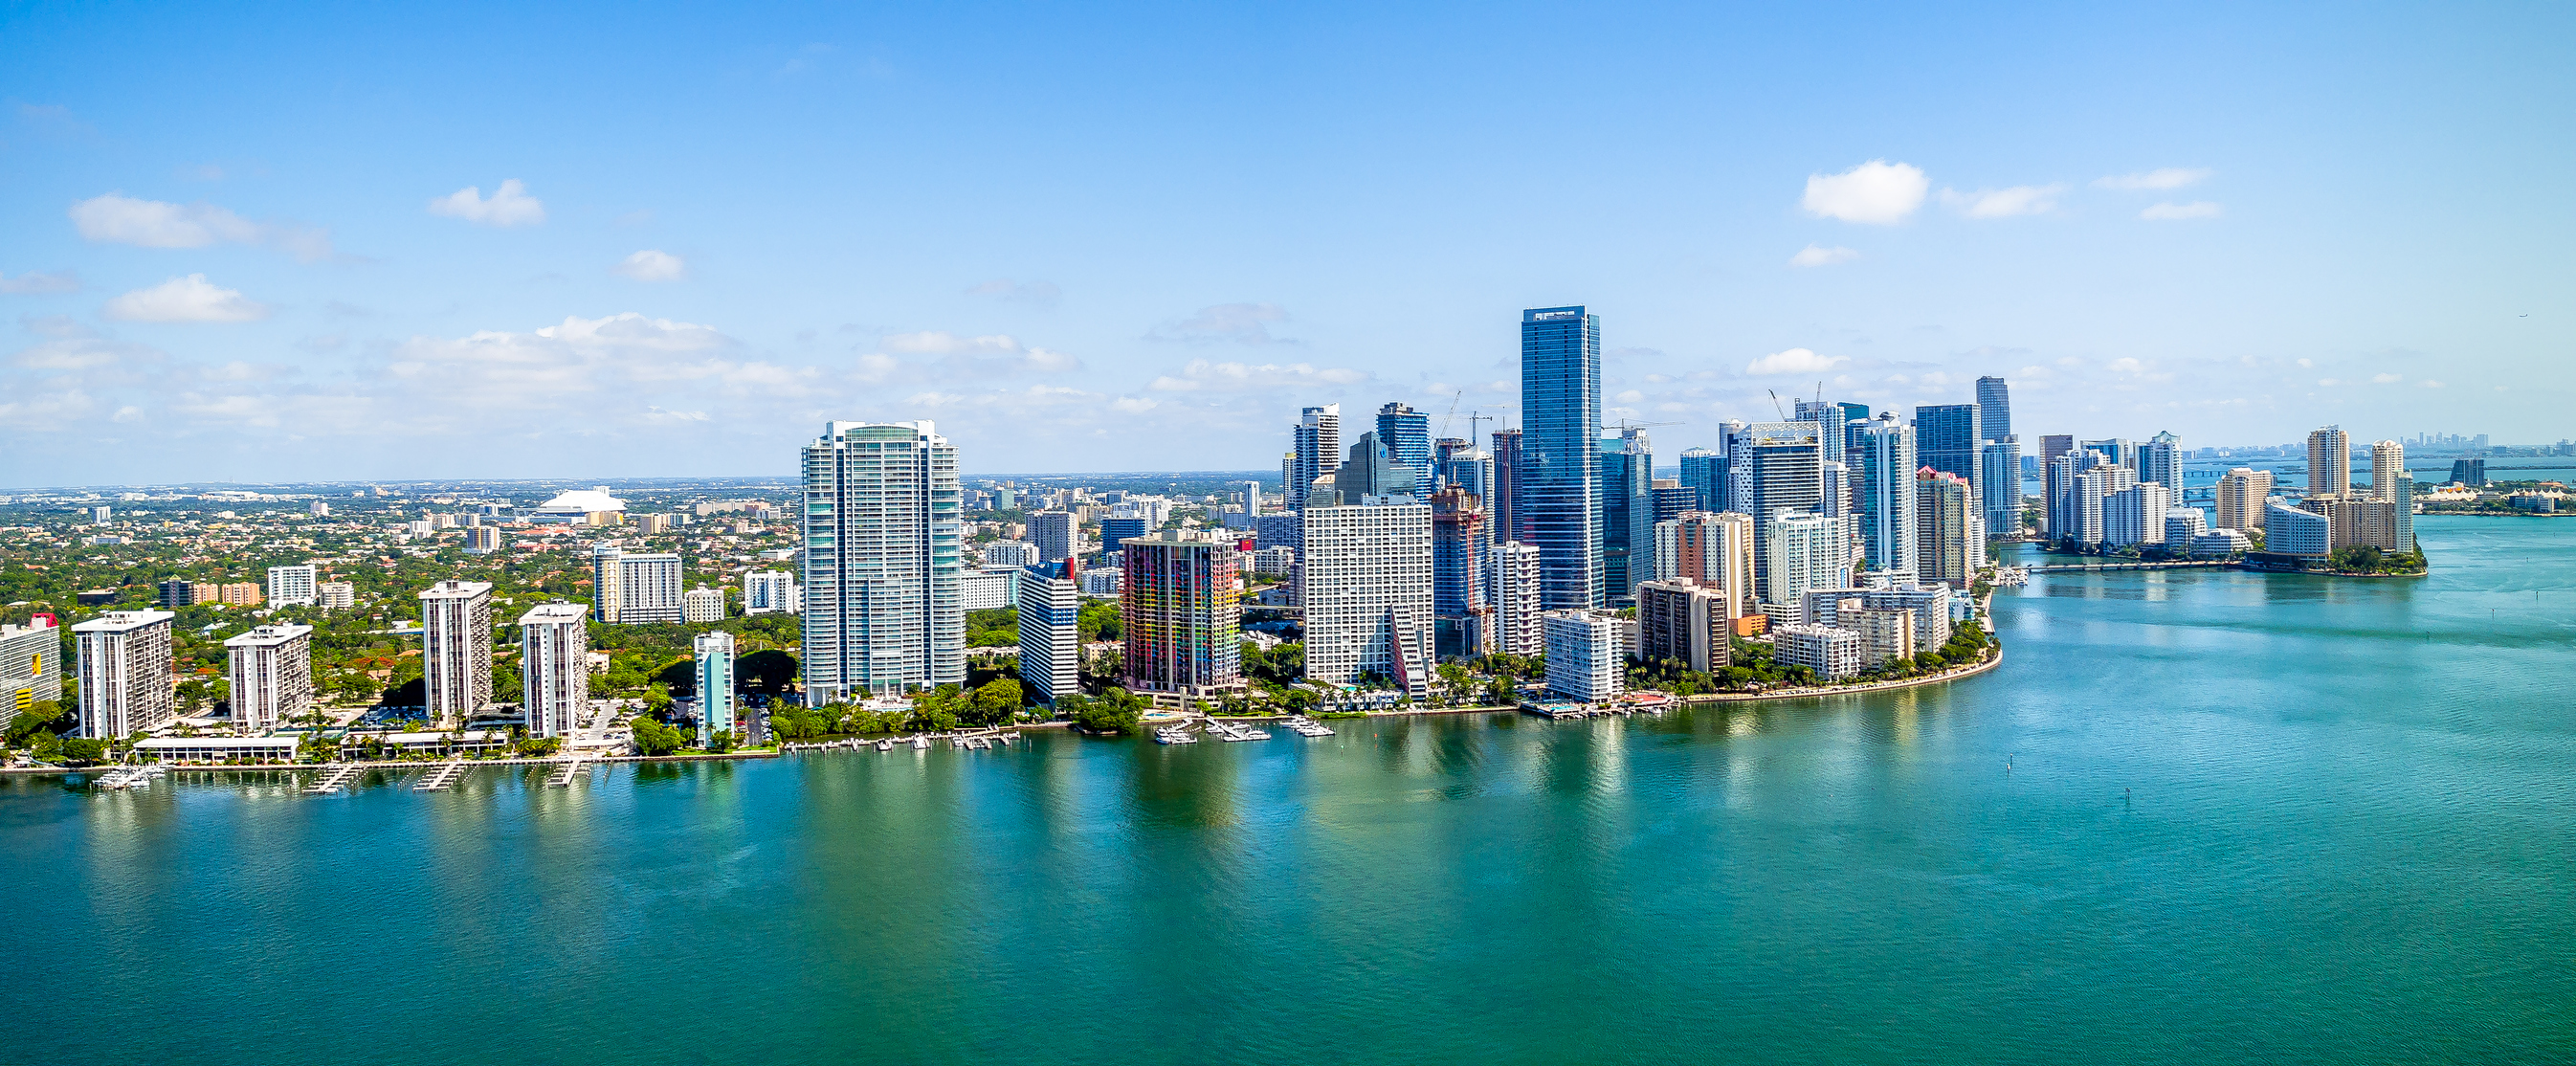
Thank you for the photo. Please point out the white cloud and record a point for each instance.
(1134, 404)
(2125, 365)
(2004, 203)
(120, 219)
(1815, 255)
(2161, 178)
(37, 281)
(2428, 383)
(1204, 376)
(188, 299)
(2169, 211)
(1630, 396)
(651, 265)
(991, 355)
(2386, 379)
(510, 205)
(1247, 323)
(1876, 192)
(1794, 361)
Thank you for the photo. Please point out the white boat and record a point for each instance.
(1172, 734)
(885, 745)
(921, 743)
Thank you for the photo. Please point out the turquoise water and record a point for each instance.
(2196, 816)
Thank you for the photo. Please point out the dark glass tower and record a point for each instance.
(1994, 409)
(1503, 505)
(1704, 473)
(1559, 482)
(1946, 438)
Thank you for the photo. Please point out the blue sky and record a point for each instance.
(239, 245)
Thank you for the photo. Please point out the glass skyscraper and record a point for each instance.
(1627, 513)
(1560, 486)
(1994, 409)
(1406, 435)
(1946, 438)
(1704, 473)
(884, 596)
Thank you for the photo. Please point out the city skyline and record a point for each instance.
(516, 267)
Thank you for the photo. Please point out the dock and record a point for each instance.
(443, 778)
(125, 777)
(1232, 732)
(335, 776)
(562, 778)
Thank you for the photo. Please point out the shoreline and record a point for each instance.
(1944, 677)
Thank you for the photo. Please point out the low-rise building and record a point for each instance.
(2289, 530)
(1831, 653)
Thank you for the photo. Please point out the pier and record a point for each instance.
(443, 778)
(2074, 568)
(571, 768)
(335, 776)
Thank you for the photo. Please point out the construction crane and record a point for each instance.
(1775, 404)
(1452, 416)
(1473, 418)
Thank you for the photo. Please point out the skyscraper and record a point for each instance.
(1704, 473)
(1946, 437)
(1367, 585)
(715, 685)
(1181, 603)
(1050, 630)
(1887, 494)
(2241, 495)
(1994, 408)
(1627, 512)
(1712, 549)
(1316, 451)
(884, 607)
(31, 666)
(1461, 619)
(1515, 590)
(1828, 417)
(2387, 465)
(1683, 620)
(1560, 486)
(2050, 447)
(1406, 435)
(554, 668)
(2329, 462)
(630, 589)
(1504, 503)
(124, 673)
(270, 672)
(1941, 523)
(775, 592)
(456, 649)
(1999, 461)
(2160, 461)
(1808, 551)
(1788, 479)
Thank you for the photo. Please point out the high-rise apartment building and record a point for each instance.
(2291, 531)
(1181, 603)
(1946, 437)
(337, 595)
(291, 586)
(456, 649)
(1560, 482)
(2329, 462)
(1316, 451)
(1011, 553)
(2240, 498)
(770, 592)
(554, 668)
(1367, 587)
(2053, 506)
(1514, 580)
(1461, 617)
(884, 607)
(1050, 618)
(31, 668)
(1502, 503)
(486, 540)
(631, 589)
(1715, 550)
(124, 673)
(1587, 654)
(1999, 485)
(2093, 491)
(1888, 485)
(2160, 461)
(1057, 535)
(2387, 466)
(702, 604)
(1406, 435)
(1684, 620)
(714, 675)
(1807, 551)
(1941, 524)
(270, 671)
(2136, 515)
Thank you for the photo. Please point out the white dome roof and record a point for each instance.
(583, 501)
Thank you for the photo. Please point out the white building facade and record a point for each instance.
(270, 670)
(292, 586)
(1587, 656)
(884, 607)
(1050, 632)
(124, 673)
(1367, 572)
(456, 649)
(554, 669)
(1514, 582)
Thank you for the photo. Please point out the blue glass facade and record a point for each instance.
(1994, 409)
(1945, 438)
(1704, 473)
(1406, 435)
(1560, 487)
(1627, 514)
